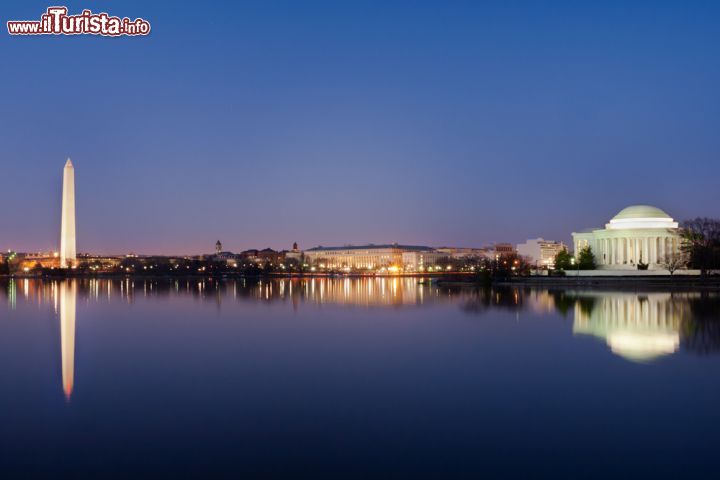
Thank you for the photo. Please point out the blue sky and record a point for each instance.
(439, 123)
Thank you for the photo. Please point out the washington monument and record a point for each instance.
(67, 228)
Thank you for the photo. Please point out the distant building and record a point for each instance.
(29, 261)
(100, 262)
(220, 256)
(295, 253)
(540, 252)
(502, 249)
(229, 257)
(267, 255)
(421, 260)
(464, 252)
(368, 257)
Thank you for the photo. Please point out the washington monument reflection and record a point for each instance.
(68, 296)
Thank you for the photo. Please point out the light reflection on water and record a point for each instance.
(68, 299)
(355, 355)
(638, 326)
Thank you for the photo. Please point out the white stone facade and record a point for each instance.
(540, 252)
(68, 255)
(638, 234)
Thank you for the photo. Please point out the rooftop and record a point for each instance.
(640, 211)
(370, 246)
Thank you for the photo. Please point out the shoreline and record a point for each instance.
(450, 279)
(625, 283)
(240, 275)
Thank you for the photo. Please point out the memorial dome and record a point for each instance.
(641, 216)
(641, 211)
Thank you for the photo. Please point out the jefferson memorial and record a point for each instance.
(638, 234)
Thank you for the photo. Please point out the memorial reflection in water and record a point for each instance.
(636, 326)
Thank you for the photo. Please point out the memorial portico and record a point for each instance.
(639, 234)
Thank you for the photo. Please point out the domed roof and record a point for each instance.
(641, 216)
(640, 211)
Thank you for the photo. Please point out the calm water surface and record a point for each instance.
(361, 378)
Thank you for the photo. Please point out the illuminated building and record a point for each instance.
(464, 252)
(638, 234)
(266, 255)
(502, 249)
(29, 261)
(540, 252)
(295, 253)
(420, 260)
(67, 229)
(221, 256)
(365, 257)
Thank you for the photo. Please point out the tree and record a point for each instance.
(671, 263)
(563, 260)
(586, 259)
(510, 264)
(701, 242)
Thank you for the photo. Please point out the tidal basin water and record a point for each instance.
(355, 378)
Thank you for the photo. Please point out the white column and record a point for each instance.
(655, 250)
(646, 248)
(636, 246)
(651, 250)
(663, 254)
(626, 249)
(606, 251)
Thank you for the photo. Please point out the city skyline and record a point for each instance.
(446, 125)
(67, 250)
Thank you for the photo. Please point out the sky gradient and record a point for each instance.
(436, 123)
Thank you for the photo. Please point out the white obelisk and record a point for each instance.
(67, 228)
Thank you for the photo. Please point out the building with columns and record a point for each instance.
(638, 234)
